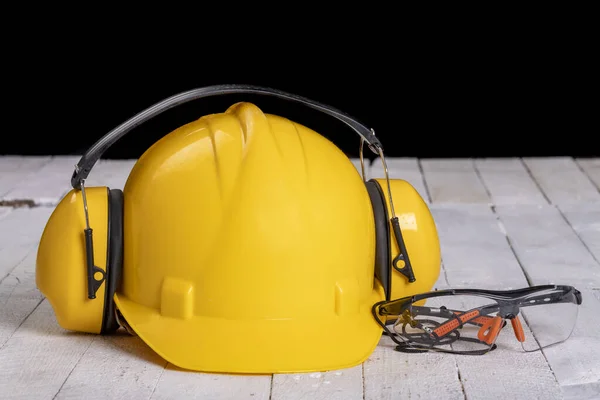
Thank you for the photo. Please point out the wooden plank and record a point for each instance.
(407, 169)
(111, 360)
(19, 234)
(591, 167)
(10, 257)
(176, 383)
(509, 373)
(585, 221)
(561, 180)
(4, 211)
(508, 181)
(343, 384)
(475, 251)
(19, 163)
(67, 367)
(576, 362)
(551, 252)
(453, 181)
(18, 297)
(476, 254)
(16, 169)
(549, 248)
(48, 185)
(118, 366)
(39, 356)
(23, 226)
(47, 180)
(20, 231)
(126, 368)
(389, 374)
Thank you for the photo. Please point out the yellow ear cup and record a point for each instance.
(420, 237)
(61, 273)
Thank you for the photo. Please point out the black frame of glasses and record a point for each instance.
(507, 304)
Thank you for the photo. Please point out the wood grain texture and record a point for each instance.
(407, 169)
(392, 375)
(4, 211)
(332, 385)
(585, 221)
(20, 232)
(495, 241)
(175, 383)
(39, 356)
(576, 362)
(562, 180)
(453, 181)
(475, 251)
(591, 167)
(114, 367)
(47, 180)
(548, 248)
(551, 251)
(509, 182)
(49, 184)
(476, 254)
(16, 169)
(18, 297)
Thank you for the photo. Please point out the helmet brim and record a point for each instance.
(267, 346)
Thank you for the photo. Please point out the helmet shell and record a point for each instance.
(248, 247)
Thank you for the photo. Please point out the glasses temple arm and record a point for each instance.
(553, 298)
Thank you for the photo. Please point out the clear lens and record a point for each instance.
(547, 324)
(436, 324)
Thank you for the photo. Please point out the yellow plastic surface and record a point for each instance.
(61, 273)
(249, 248)
(420, 238)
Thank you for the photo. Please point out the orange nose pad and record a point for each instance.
(518, 329)
(492, 327)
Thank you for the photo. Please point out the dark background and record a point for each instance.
(448, 95)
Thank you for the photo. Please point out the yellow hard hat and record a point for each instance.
(242, 242)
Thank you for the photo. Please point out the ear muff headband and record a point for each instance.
(93, 154)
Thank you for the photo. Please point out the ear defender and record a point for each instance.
(78, 269)
(214, 257)
(409, 225)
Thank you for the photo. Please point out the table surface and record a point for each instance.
(503, 223)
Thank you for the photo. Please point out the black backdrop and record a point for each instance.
(516, 104)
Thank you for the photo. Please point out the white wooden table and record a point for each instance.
(500, 221)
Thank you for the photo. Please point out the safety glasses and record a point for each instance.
(469, 321)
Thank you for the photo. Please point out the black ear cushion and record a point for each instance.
(114, 259)
(383, 270)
